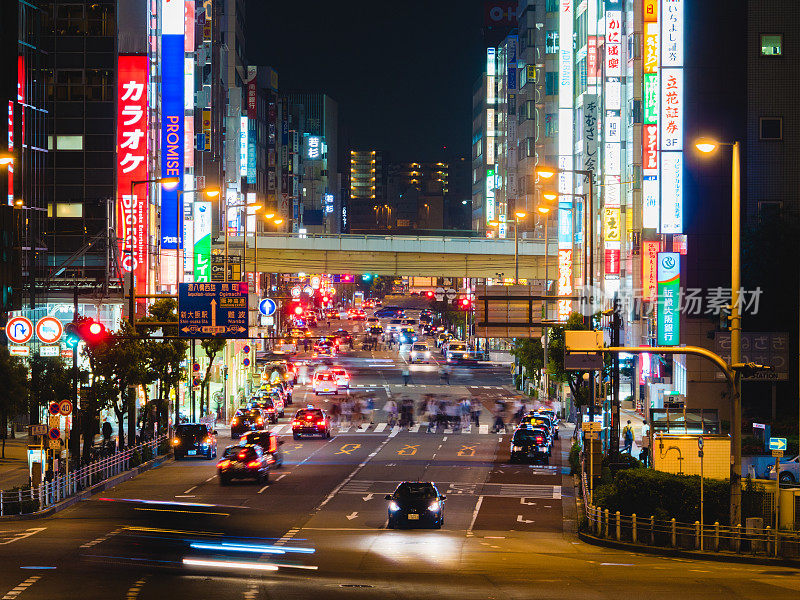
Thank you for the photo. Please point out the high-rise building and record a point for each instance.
(367, 202)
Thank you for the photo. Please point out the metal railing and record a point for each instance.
(647, 530)
(31, 499)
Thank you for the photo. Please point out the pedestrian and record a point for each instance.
(466, 410)
(627, 435)
(644, 455)
(336, 410)
(347, 411)
(476, 413)
(107, 431)
(499, 418)
(444, 373)
(454, 416)
(406, 375)
(369, 409)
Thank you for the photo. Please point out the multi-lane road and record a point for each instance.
(318, 529)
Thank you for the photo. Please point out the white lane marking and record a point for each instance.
(190, 490)
(102, 538)
(281, 476)
(414, 428)
(287, 536)
(352, 516)
(185, 496)
(484, 429)
(17, 590)
(444, 439)
(363, 427)
(521, 520)
(211, 478)
(395, 431)
(12, 537)
(278, 429)
(380, 427)
(266, 487)
(617, 565)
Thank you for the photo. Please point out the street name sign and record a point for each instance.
(591, 426)
(213, 310)
(777, 444)
(40, 429)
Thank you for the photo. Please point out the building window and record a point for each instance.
(73, 210)
(551, 42)
(69, 84)
(65, 142)
(551, 125)
(771, 44)
(769, 211)
(551, 6)
(770, 128)
(550, 80)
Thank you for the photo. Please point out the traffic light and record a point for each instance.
(346, 279)
(92, 332)
(465, 304)
(430, 294)
(298, 310)
(366, 277)
(71, 336)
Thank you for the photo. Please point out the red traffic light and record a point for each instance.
(465, 303)
(96, 328)
(92, 332)
(429, 294)
(298, 310)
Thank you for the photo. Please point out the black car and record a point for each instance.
(269, 443)
(311, 421)
(246, 419)
(243, 462)
(268, 410)
(530, 444)
(194, 439)
(342, 337)
(416, 503)
(389, 312)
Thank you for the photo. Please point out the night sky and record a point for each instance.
(402, 72)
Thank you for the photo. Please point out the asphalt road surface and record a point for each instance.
(318, 529)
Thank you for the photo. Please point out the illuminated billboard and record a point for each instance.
(669, 283)
(202, 241)
(132, 214)
(172, 115)
(649, 266)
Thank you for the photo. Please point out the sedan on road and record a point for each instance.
(416, 504)
(530, 444)
(420, 352)
(324, 382)
(311, 422)
(269, 443)
(243, 462)
(246, 419)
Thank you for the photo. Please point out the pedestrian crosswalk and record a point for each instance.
(375, 428)
(383, 386)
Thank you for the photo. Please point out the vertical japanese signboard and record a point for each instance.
(202, 241)
(649, 267)
(671, 114)
(172, 113)
(669, 283)
(651, 194)
(132, 216)
(566, 136)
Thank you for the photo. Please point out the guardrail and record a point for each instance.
(649, 531)
(31, 499)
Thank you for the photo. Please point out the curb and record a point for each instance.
(89, 492)
(692, 554)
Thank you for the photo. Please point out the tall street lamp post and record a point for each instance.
(545, 212)
(518, 215)
(707, 146)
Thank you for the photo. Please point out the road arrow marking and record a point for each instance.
(368, 497)
(352, 516)
(213, 313)
(522, 501)
(521, 520)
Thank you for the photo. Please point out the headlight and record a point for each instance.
(393, 506)
(434, 507)
(176, 441)
(516, 448)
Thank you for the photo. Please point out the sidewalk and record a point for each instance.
(628, 414)
(14, 467)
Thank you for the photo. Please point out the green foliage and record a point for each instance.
(14, 399)
(575, 458)
(530, 354)
(51, 380)
(647, 492)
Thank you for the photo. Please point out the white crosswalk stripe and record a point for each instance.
(419, 427)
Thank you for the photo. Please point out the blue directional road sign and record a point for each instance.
(212, 309)
(267, 307)
(777, 444)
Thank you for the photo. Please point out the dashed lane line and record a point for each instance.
(18, 589)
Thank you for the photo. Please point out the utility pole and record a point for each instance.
(616, 324)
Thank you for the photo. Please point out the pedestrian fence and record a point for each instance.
(752, 538)
(29, 499)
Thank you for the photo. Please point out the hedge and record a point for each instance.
(647, 492)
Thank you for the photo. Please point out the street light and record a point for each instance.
(6, 158)
(707, 146)
(517, 216)
(545, 211)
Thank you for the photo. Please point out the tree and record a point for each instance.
(14, 399)
(555, 366)
(530, 354)
(211, 347)
(52, 381)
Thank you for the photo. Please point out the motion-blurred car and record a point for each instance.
(393, 326)
(407, 335)
(324, 348)
(311, 421)
(442, 338)
(341, 376)
(268, 410)
(420, 352)
(416, 504)
(194, 439)
(269, 443)
(529, 444)
(243, 462)
(534, 419)
(246, 419)
(389, 312)
(459, 352)
(789, 471)
(324, 382)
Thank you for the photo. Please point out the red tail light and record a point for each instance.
(273, 443)
(260, 421)
(223, 464)
(242, 455)
(270, 410)
(539, 440)
(253, 464)
(320, 425)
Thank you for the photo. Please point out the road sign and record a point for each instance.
(246, 362)
(267, 307)
(451, 294)
(19, 330)
(777, 444)
(246, 349)
(296, 291)
(213, 310)
(777, 453)
(52, 408)
(218, 267)
(196, 367)
(49, 330)
(53, 421)
(315, 282)
(40, 429)
(592, 435)
(65, 408)
(18, 350)
(438, 293)
(54, 433)
(591, 426)
(54, 444)
(51, 351)
(700, 442)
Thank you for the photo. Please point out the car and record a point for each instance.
(324, 382)
(414, 504)
(324, 348)
(529, 444)
(389, 312)
(342, 377)
(194, 439)
(288, 390)
(372, 321)
(420, 352)
(269, 443)
(243, 462)
(394, 325)
(534, 419)
(442, 339)
(311, 421)
(790, 471)
(554, 420)
(280, 396)
(410, 322)
(247, 419)
(342, 336)
(459, 352)
(407, 335)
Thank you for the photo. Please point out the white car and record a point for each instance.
(341, 376)
(420, 352)
(790, 471)
(458, 352)
(324, 382)
(394, 325)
